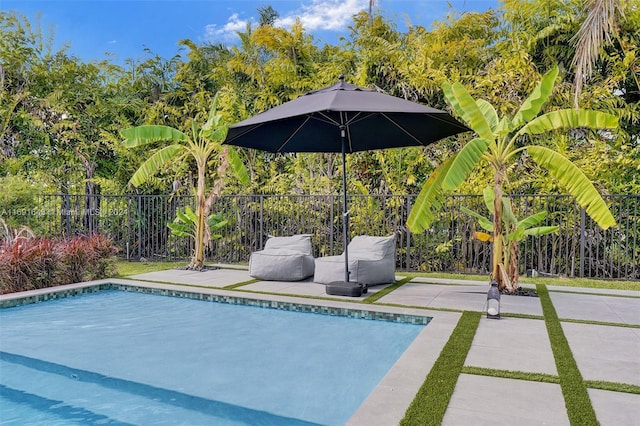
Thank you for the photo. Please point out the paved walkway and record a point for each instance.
(602, 352)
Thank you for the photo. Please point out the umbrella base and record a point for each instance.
(341, 288)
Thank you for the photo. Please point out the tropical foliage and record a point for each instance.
(29, 262)
(61, 116)
(499, 144)
(513, 232)
(186, 223)
(204, 143)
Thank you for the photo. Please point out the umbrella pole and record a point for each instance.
(345, 212)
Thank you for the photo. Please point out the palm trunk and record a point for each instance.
(216, 189)
(512, 270)
(500, 273)
(497, 229)
(198, 257)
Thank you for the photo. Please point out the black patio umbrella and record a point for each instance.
(343, 118)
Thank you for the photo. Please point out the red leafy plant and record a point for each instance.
(28, 262)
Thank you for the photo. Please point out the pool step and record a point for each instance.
(56, 393)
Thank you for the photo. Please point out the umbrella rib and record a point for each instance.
(405, 130)
(308, 117)
(402, 129)
(327, 118)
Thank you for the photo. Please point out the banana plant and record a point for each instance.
(204, 143)
(185, 224)
(514, 231)
(499, 143)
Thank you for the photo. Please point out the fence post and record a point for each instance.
(261, 231)
(583, 225)
(139, 221)
(408, 254)
(67, 213)
(331, 236)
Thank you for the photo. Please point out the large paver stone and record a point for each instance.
(607, 353)
(615, 408)
(514, 344)
(622, 310)
(210, 278)
(493, 401)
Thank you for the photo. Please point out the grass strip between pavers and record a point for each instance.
(612, 386)
(549, 378)
(232, 286)
(431, 401)
(377, 295)
(576, 398)
(607, 324)
(592, 293)
(509, 374)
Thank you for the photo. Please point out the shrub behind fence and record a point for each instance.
(138, 226)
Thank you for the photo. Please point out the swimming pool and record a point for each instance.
(117, 357)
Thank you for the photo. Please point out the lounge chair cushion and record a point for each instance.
(283, 259)
(299, 243)
(372, 261)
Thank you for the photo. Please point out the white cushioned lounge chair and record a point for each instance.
(372, 261)
(283, 259)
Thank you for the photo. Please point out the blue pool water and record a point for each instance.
(116, 357)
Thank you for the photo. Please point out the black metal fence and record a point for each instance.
(138, 225)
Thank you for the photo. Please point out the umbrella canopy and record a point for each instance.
(343, 118)
(371, 120)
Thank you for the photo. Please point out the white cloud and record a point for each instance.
(325, 14)
(229, 30)
(316, 15)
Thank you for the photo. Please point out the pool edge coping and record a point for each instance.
(284, 302)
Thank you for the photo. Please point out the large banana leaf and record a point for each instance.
(143, 135)
(212, 131)
(541, 230)
(569, 119)
(188, 216)
(195, 131)
(531, 107)
(429, 201)
(216, 222)
(184, 225)
(462, 102)
(181, 230)
(503, 128)
(517, 235)
(155, 163)
(520, 233)
(214, 117)
(489, 113)
(532, 220)
(484, 222)
(507, 212)
(447, 89)
(488, 195)
(464, 162)
(572, 178)
(237, 166)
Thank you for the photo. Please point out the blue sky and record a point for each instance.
(124, 28)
